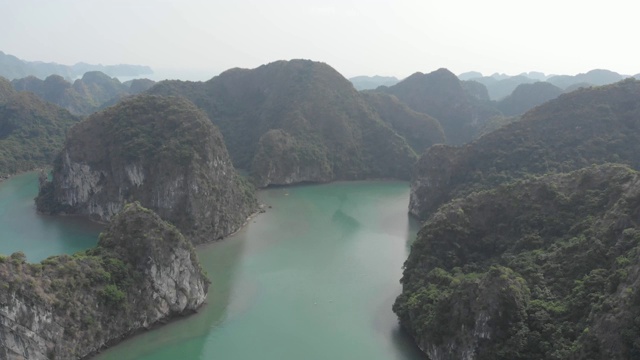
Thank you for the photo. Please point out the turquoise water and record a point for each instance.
(312, 278)
(38, 236)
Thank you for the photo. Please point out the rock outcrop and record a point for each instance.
(142, 272)
(163, 152)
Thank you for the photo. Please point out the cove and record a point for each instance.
(312, 278)
(38, 236)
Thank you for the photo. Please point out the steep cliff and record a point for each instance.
(163, 152)
(331, 132)
(546, 268)
(587, 126)
(143, 271)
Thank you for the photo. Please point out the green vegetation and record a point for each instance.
(520, 258)
(537, 269)
(419, 130)
(441, 95)
(31, 130)
(587, 126)
(331, 130)
(161, 151)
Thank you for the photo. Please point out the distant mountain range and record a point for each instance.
(502, 85)
(95, 90)
(12, 67)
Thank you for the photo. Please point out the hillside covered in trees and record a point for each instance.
(587, 126)
(545, 268)
(529, 249)
(298, 121)
(32, 131)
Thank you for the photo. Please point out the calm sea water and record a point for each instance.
(38, 236)
(312, 278)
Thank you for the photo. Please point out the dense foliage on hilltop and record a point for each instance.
(32, 131)
(441, 95)
(545, 268)
(144, 128)
(332, 132)
(587, 126)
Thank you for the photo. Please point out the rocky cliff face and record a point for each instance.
(537, 269)
(163, 152)
(67, 307)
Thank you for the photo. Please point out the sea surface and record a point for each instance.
(312, 278)
(38, 236)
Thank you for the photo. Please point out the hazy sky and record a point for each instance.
(356, 37)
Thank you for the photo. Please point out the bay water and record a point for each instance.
(312, 278)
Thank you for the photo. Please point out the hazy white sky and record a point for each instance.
(356, 37)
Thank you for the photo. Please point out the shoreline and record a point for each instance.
(9, 176)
